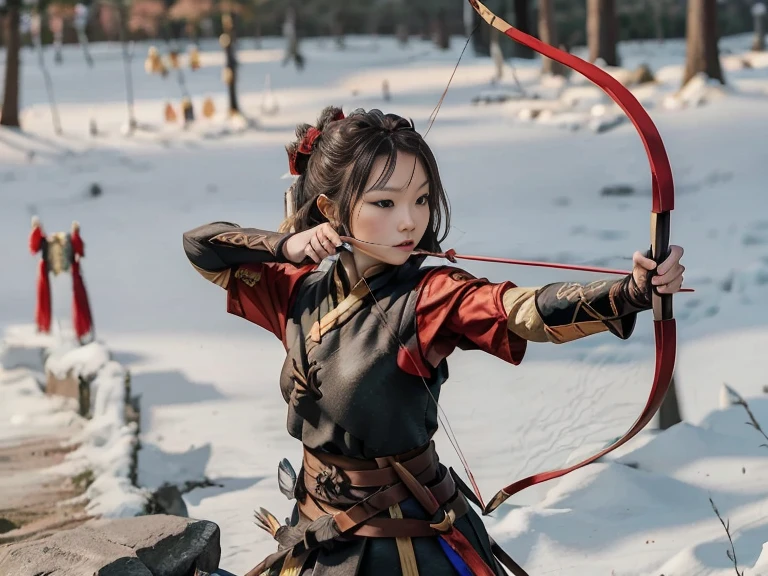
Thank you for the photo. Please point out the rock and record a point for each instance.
(640, 75)
(167, 500)
(157, 545)
(618, 190)
(6, 525)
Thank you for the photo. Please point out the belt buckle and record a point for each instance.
(446, 524)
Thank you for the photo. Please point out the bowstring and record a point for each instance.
(436, 109)
(443, 421)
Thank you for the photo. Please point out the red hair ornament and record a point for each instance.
(307, 144)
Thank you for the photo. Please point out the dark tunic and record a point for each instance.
(373, 371)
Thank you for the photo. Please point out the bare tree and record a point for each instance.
(9, 116)
(440, 35)
(227, 41)
(656, 8)
(146, 16)
(602, 31)
(701, 37)
(548, 34)
(758, 13)
(192, 12)
(291, 34)
(522, 21)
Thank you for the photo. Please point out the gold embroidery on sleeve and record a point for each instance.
(248, 277)
(250, 241)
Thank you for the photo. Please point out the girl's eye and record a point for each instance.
(422, 200)
(384, 203)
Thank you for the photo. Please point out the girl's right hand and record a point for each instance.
(317, 243)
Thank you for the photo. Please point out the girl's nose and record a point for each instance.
(407, 221)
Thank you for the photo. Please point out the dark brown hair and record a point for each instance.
(341, 161)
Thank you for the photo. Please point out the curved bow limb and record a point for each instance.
(663, 203)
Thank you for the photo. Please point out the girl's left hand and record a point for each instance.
(669, 276)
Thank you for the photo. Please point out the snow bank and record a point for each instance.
(105, 443)
(84, 361)
(656, 498)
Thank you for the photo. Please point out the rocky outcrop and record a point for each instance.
(157, 545)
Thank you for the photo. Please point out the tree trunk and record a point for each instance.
(122, 15)
(227, 41)
(337, 30)
(10, 111)
(523, 23)
(657, 9)
(481, 39)
(442, 38)
(602, 31)
(701, 41)
(758, 14)
(548, 35)
(468, 19)
(669, 413)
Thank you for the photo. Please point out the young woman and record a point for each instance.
(367, 340)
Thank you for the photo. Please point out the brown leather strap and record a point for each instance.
(422, 494)
(398, 528)
(315, 463)
(363, 512)
(403, 476)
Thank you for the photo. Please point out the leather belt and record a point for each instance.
(398, 479)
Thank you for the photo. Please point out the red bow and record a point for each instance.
(663, 203)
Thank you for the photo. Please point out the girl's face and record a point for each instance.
(393, 216)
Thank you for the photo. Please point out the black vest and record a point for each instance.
(357, 400)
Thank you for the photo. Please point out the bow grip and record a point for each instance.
(660, 227)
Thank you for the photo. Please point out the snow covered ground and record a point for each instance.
(519, 188)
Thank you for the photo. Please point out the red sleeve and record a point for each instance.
(457, 309)
(264, 293)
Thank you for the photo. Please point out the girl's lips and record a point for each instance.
(406, 246)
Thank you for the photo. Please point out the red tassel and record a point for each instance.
(35, 239)
(463, 548)
(81, 309)
(43, 307)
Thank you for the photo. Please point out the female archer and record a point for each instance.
(367, 338)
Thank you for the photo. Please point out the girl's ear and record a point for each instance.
(328, 209)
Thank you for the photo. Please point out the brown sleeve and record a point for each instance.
(216, 249)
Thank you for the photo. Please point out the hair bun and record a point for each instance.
(301, 149)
